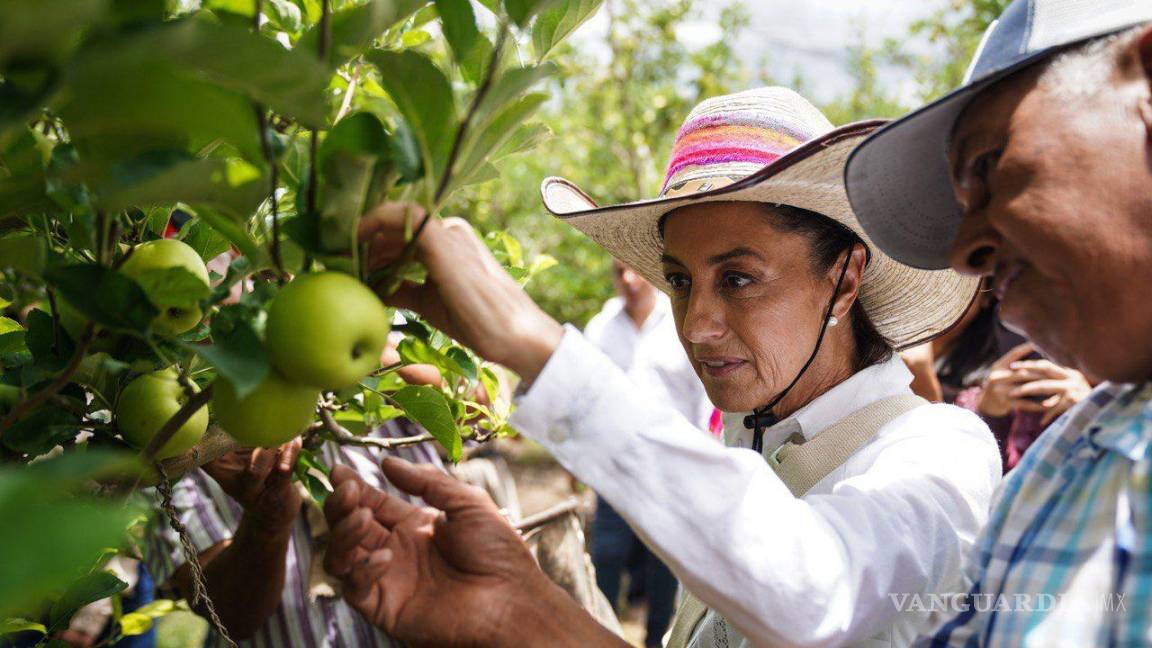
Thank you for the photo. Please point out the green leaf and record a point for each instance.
(491, 383)
(360, 133)
(558, 22)
(483, 142)
(174, 286)
(236, 352)
(43, 429)
(285, 15)
(424, 96)
(24, 253)
(470, 48)
(521, 11)
(134, 623)
(309, 470)
(158, 608)
(106, 297)
(207, 242)
(510, 86)
(166, 177)
(235, 231)
(464, 362)
(428, 407)
(12, 626)
(354, 29)
(88, 589)
(35, 29)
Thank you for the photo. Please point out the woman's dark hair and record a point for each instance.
(829, 240)
(973, 352)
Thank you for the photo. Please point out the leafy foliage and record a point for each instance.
(259, 141)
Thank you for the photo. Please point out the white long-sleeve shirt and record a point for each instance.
(825, 570)
(651, 356)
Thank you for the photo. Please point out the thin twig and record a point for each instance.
(342, 436)
(561, 510)
(37, 399)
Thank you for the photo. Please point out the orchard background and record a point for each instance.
(142, 139)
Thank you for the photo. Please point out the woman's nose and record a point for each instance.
(977, 246)
(703, 319)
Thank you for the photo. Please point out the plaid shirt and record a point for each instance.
(1066, 558)
(212, 517)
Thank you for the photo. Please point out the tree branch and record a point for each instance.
(559, 511)
(342, 436)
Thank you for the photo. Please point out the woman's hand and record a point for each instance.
(260, 480)
(1059, 387)
(995, 396)
(467, 294)
(457, 574)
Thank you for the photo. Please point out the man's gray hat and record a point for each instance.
(898, 179)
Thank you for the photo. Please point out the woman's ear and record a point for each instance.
(857, 259)
(1141, 51)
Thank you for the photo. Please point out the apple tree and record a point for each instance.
(180, 187)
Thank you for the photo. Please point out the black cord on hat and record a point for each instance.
(762, 417)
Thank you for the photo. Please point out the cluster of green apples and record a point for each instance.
(325, 331)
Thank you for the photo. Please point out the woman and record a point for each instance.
(790, 318)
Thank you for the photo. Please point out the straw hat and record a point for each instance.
(769, 146)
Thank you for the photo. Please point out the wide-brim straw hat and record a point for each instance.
(768, 145)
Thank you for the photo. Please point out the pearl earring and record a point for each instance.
(832, 321)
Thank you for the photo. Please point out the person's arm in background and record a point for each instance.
(921, 361)
(245, 574)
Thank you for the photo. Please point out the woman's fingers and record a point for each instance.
(1039, 388)
(1018, 352)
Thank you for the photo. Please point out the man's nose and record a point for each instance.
(977, 245)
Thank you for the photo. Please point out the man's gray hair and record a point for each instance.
(1085, 69)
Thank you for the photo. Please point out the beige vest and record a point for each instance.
(801, 466)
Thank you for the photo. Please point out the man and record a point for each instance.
(1046, 150)
(635, 329)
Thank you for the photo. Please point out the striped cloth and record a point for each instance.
(1066, 559)
(212, 517)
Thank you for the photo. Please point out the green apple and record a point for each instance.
(326, 330)
(272, 414)
(145, 406)
(168, 253)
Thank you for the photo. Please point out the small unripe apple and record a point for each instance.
(274, 413)
(326, 330)
(145, 406)
(161, 254)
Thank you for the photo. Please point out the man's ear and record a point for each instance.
(857, 259)
(1140, 51)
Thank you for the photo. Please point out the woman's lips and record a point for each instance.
(721, 367)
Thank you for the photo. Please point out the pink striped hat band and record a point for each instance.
(731, 137)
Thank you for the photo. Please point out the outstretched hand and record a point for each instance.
(467, 294)
(454, 573)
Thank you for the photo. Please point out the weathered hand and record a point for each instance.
(467, 294)
(260, 480)
(1060, 387)
(457, 574)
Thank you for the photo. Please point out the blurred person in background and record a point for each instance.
(982, 366)
(636, 331)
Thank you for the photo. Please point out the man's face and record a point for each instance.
(630, 285)
(1057, 200)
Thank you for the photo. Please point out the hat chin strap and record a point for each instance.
(762, 417)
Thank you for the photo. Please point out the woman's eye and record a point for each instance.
(677, 282)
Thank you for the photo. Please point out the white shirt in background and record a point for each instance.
(826, 570)
(651, 356)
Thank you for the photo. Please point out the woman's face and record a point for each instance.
(747, 301)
